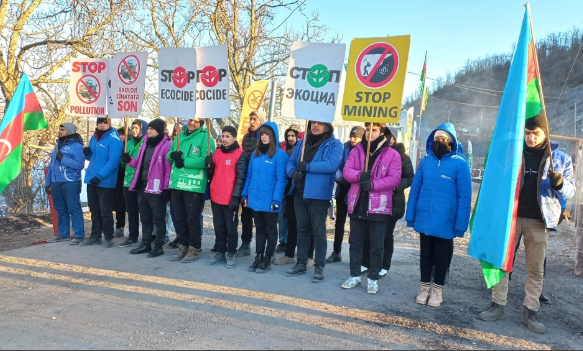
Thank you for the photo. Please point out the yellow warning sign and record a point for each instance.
(375, 79)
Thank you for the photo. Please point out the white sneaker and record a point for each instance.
(373, 287)
(383, 273)
(351, 283)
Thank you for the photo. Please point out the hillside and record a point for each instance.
(470, 98)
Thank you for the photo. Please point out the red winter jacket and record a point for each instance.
(229, 174)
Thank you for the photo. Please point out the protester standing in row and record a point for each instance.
(119, 205)
(228, 172)
(104, 153)
(439, 208)
(342, 187)
(313, 179)
(63, 183)
(249, 143)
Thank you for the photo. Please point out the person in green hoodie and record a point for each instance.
(188, 182)
(138, 129)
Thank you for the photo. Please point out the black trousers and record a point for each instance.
(120, 206)
(341, 214)
(311, 217)
(187, 207)
(434, 251)
(292, 230)
(133, 210)
(152, 213)
(389, 244)
(266, 236)
(359, 229)
(100, 201)
(225, 222)
(246, 224)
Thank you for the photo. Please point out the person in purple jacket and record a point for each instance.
(151, 181)
(370, 200)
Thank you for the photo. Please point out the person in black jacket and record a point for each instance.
(407, 175)
(249, 142)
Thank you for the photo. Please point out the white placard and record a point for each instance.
(212, 82)
(87, 87)
(126, 84)
(313, 82)
(177, 82)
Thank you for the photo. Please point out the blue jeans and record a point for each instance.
(66, 198)
(282, 223)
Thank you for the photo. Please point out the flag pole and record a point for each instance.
(304, 141)
(88, 137)
(125, 146)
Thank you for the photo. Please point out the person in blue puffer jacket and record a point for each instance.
(439, 208)
(104, 155)
(63, 182)
(263, 193)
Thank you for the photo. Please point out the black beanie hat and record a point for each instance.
(231, 130)
(539, 120)
(357, 131)
(103, 119)
(158, 125)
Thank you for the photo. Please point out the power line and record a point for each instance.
(569, 75)
(461, 103)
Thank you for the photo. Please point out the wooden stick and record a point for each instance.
(125, 147)
(177, 134)
(88, 137)
(208, 129)
(368, 147)
(305, 139)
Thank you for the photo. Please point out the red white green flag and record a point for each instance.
(424, 95)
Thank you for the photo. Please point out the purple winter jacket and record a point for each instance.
(385, 177)
(160, 168)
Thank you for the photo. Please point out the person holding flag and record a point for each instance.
(104, 153)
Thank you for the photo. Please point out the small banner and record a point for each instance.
(127, 84)
(212, 82)
(375, 79)
(177, 82)
(87, 87)
(313, 82)
(254, 97)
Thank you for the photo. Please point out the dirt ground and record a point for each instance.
(57, 296)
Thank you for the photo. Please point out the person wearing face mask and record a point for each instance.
(151, 181)
(135, 141)
(104, 152)
(439, 208)
(370, 197)
(263, 193)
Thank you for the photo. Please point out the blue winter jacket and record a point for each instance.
(266, 179)
(321, 172)
(73, 161)
(104, 159)
(441, 194)
(550, 199)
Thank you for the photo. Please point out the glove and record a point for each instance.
(176, 155)
(365, 185)
(556, 180)
(95, 181)
(208, 161)
(59, 156)
(179, 163)
(364, 176)
(166, 195)
(345, 184)
(234, 205)
(86, 151)
(302, 166)
(125, 157)
(48, 190)
(297, 176)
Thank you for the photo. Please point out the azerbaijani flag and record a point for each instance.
(494, 219)
(424, 96)
(24, 113)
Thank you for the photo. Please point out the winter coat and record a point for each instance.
(550, 199)
(160, 167)
(70, 167)
(321, 172)
(133, 150)
(407, 175)
(441, 194)
(229, 176)
(385, 175)
(266, 178)
(194, 147)
(104, 159)
(249, 141)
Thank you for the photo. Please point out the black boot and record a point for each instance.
(264, 266)
(174, 244)
(157, 251)
(255, 264)
(142, 249)
(544, 299)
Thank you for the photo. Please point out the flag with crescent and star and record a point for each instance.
(23, 113)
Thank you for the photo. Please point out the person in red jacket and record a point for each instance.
(228, 169)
